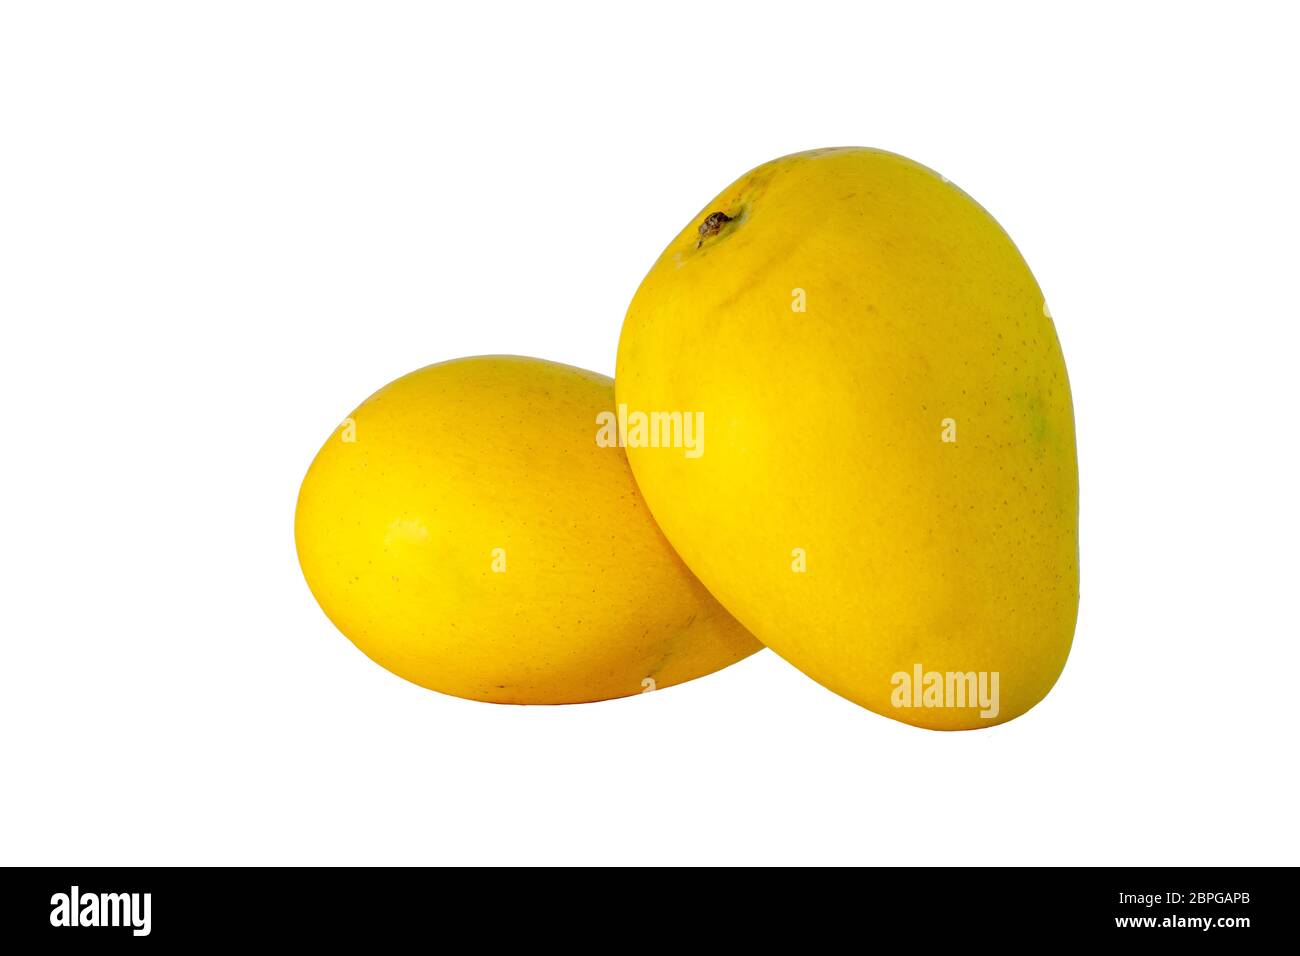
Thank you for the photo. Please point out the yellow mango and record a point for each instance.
(887, 495)
(466, 530)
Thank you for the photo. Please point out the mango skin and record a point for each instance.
(824, 430)
(398, 531)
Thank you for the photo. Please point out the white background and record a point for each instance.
(222, 225)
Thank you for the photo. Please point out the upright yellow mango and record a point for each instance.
(464, 528)
(888, 493)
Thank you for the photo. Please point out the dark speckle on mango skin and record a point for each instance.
(713, 224)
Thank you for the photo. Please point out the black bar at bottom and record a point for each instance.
(981, 907)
